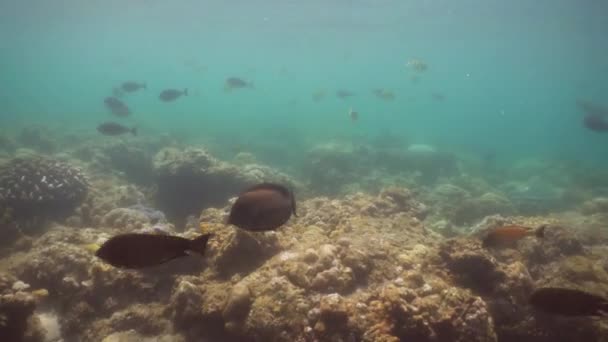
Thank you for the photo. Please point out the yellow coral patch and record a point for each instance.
(91, 247)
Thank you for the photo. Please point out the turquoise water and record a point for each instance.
(510, 71)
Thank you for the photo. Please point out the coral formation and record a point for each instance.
(41, 187)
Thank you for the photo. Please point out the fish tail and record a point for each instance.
(143, 85)
(540, 231)
(186, 91)
(199, 244)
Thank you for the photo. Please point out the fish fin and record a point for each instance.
(199, 244)
(293, 203)
(134, 131)
(186, 91)
(271, 186)
(540, 231)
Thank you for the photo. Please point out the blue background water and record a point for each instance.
(510, 70)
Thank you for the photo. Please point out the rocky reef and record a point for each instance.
(358, 268)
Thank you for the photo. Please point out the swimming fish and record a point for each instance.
(263, 207)
(596, 123)
(131, 86)
(354, 116)
(384, 94)
(417, 65)
(172, 94)
(506, 235)
(112, 128)
(568, 302)
(344, 93)
(116, 106)
(146, 250)
(236, 83)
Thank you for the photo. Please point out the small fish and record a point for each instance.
(172, 94)
(131, 86)
(318, 95)
(568, 302)
(237, 83)
(384, 94)
(438, 96)
(344, 93)
(510, 234)
(596, 123)
(113, 129)
(417, 65)
(146, 250)
(116, 106)
(354, 116)
(263, 207)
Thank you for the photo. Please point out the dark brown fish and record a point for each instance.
(596, 123)
(263, 207)
(172, 94)
(508, 235)
(344, 93)
(131, 86)
(146, 250)
(568, 302)
(236, 83)
(113, 128)
(116, 106)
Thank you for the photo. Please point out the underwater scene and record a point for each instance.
(308, 171)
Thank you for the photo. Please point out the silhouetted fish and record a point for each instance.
(116, 106)
(145, 250)
(354, 115)
(344, 93)
(596, 123)
(236, 83)
(263, 207)
(510, 234)
(131, 86)
(172, 94)
(112, 128)
(568, 302)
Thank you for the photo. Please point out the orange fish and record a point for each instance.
(510, 234)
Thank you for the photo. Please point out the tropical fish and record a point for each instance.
(596, 123)
(169, 95)
(112, 128)
(236, 83)
(417, 65)
(354, 116)
(131, 86)
(510, 234)
(116, 106)
(384, 94)
(146, 250)
(263, 207)
(344, 93)
(568, 302)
